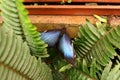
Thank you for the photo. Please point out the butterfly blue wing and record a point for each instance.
(50, 37)
(66, 47)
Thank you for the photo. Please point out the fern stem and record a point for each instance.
(15, 71)
(100, 39)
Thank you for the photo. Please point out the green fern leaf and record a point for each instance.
(57, 75)
(114, 36)
(15, 16)
(92, 43)
(16, 63)
(110, 73)
(83, 71)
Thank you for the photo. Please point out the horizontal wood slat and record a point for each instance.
(70, 22)
(73, 10)
(103, 1)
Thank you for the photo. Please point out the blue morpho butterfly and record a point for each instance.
(67, 49)
(65, 45)
(50, 37)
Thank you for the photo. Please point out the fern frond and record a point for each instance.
(10, 16)
(83, 71)
(57, 75)
(92, 43)
(110, 73)
(78, 75)
(15, 16)
(16, 63)
(114, 36)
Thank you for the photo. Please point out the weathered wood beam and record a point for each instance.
(74, 10)
(49, 22)
(56, 22)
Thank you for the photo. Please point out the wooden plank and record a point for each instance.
(47, 22)
(74, 10)
(103, 1)
(71, 23)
